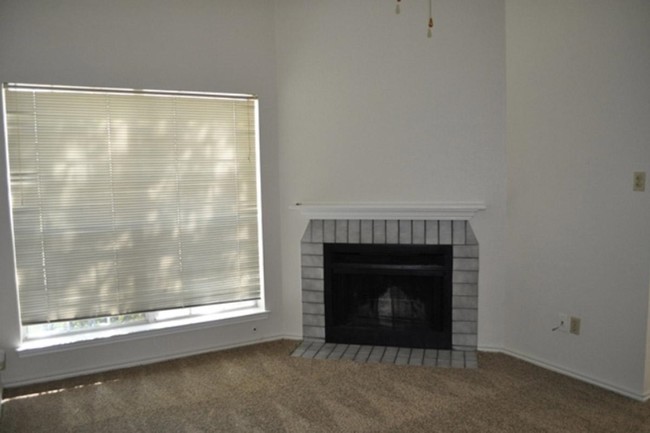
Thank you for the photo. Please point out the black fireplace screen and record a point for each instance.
(392, 295)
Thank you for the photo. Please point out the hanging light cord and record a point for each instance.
(430, 29)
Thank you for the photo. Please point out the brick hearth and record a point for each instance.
(458, 233)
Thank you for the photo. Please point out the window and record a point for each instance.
(126, 202)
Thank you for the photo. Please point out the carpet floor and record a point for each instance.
(261, 388)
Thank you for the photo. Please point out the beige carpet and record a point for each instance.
(263, 389)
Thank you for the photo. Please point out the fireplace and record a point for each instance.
(455, 236)
(388, 295)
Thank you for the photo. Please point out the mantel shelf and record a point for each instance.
(390, 211)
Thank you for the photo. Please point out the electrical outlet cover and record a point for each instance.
(639, 181)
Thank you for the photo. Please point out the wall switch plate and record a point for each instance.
(639, 181)
(574, 327)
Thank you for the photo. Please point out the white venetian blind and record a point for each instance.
(127, 202)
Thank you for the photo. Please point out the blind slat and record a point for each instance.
(131, 202)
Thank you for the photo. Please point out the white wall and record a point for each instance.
(202, 45)
(372, 111)
(578, 77)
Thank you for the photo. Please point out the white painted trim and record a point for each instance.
(137, 332)
(567, 372)
(133, 363)
(140, 361)
(296, 337)
(390, 211)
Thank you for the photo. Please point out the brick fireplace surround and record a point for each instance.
(457, 233)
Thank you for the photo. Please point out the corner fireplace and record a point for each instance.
(388, 295)
(455, 235)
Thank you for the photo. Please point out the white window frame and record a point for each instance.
(35, 337)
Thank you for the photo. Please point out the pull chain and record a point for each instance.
(430, 27)
(430, 32)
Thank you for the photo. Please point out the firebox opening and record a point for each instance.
(391, 295)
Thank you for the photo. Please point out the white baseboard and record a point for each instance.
(139, 362)
(524, 357)
(567, 372)
(296, 337)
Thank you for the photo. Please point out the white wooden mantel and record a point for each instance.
(390, 211)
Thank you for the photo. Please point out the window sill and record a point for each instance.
(137, 332)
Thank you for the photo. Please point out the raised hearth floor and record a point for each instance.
(387, 355)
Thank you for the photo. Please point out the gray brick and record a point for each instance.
(389, 355)
(465, 277)
(313, 320)
(463, 340)
(363, 354)
(351, 351)
(469, 235)
(429, 362)
(444, 232)
(430, 353)
(338, 351)
(317, 230)
(464, 314)
(324, 351)
(401, 360)
(458, 228)
(457, 363)
(417, 355)
(471, 357)
(464, 327)
(341, 231)
(405, 232)
(312, 261)
(462, 356)
(301, 348)
(318, 309)
(311, 248)
(462, 348)
(466, 251)
(313, 332)
(403, 356)
(465, 289)
(465, 264)
(313, 349)
(329, 231)
(366, 231)
(354, 231)
(418, 232)
(313, 285)
(379, 231)
(392, 232)
(312, 273)
(306, 237)
(376, 354)
(312, 297)
(431, 235)
(465, 301)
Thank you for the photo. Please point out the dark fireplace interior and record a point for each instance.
(389, 295)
